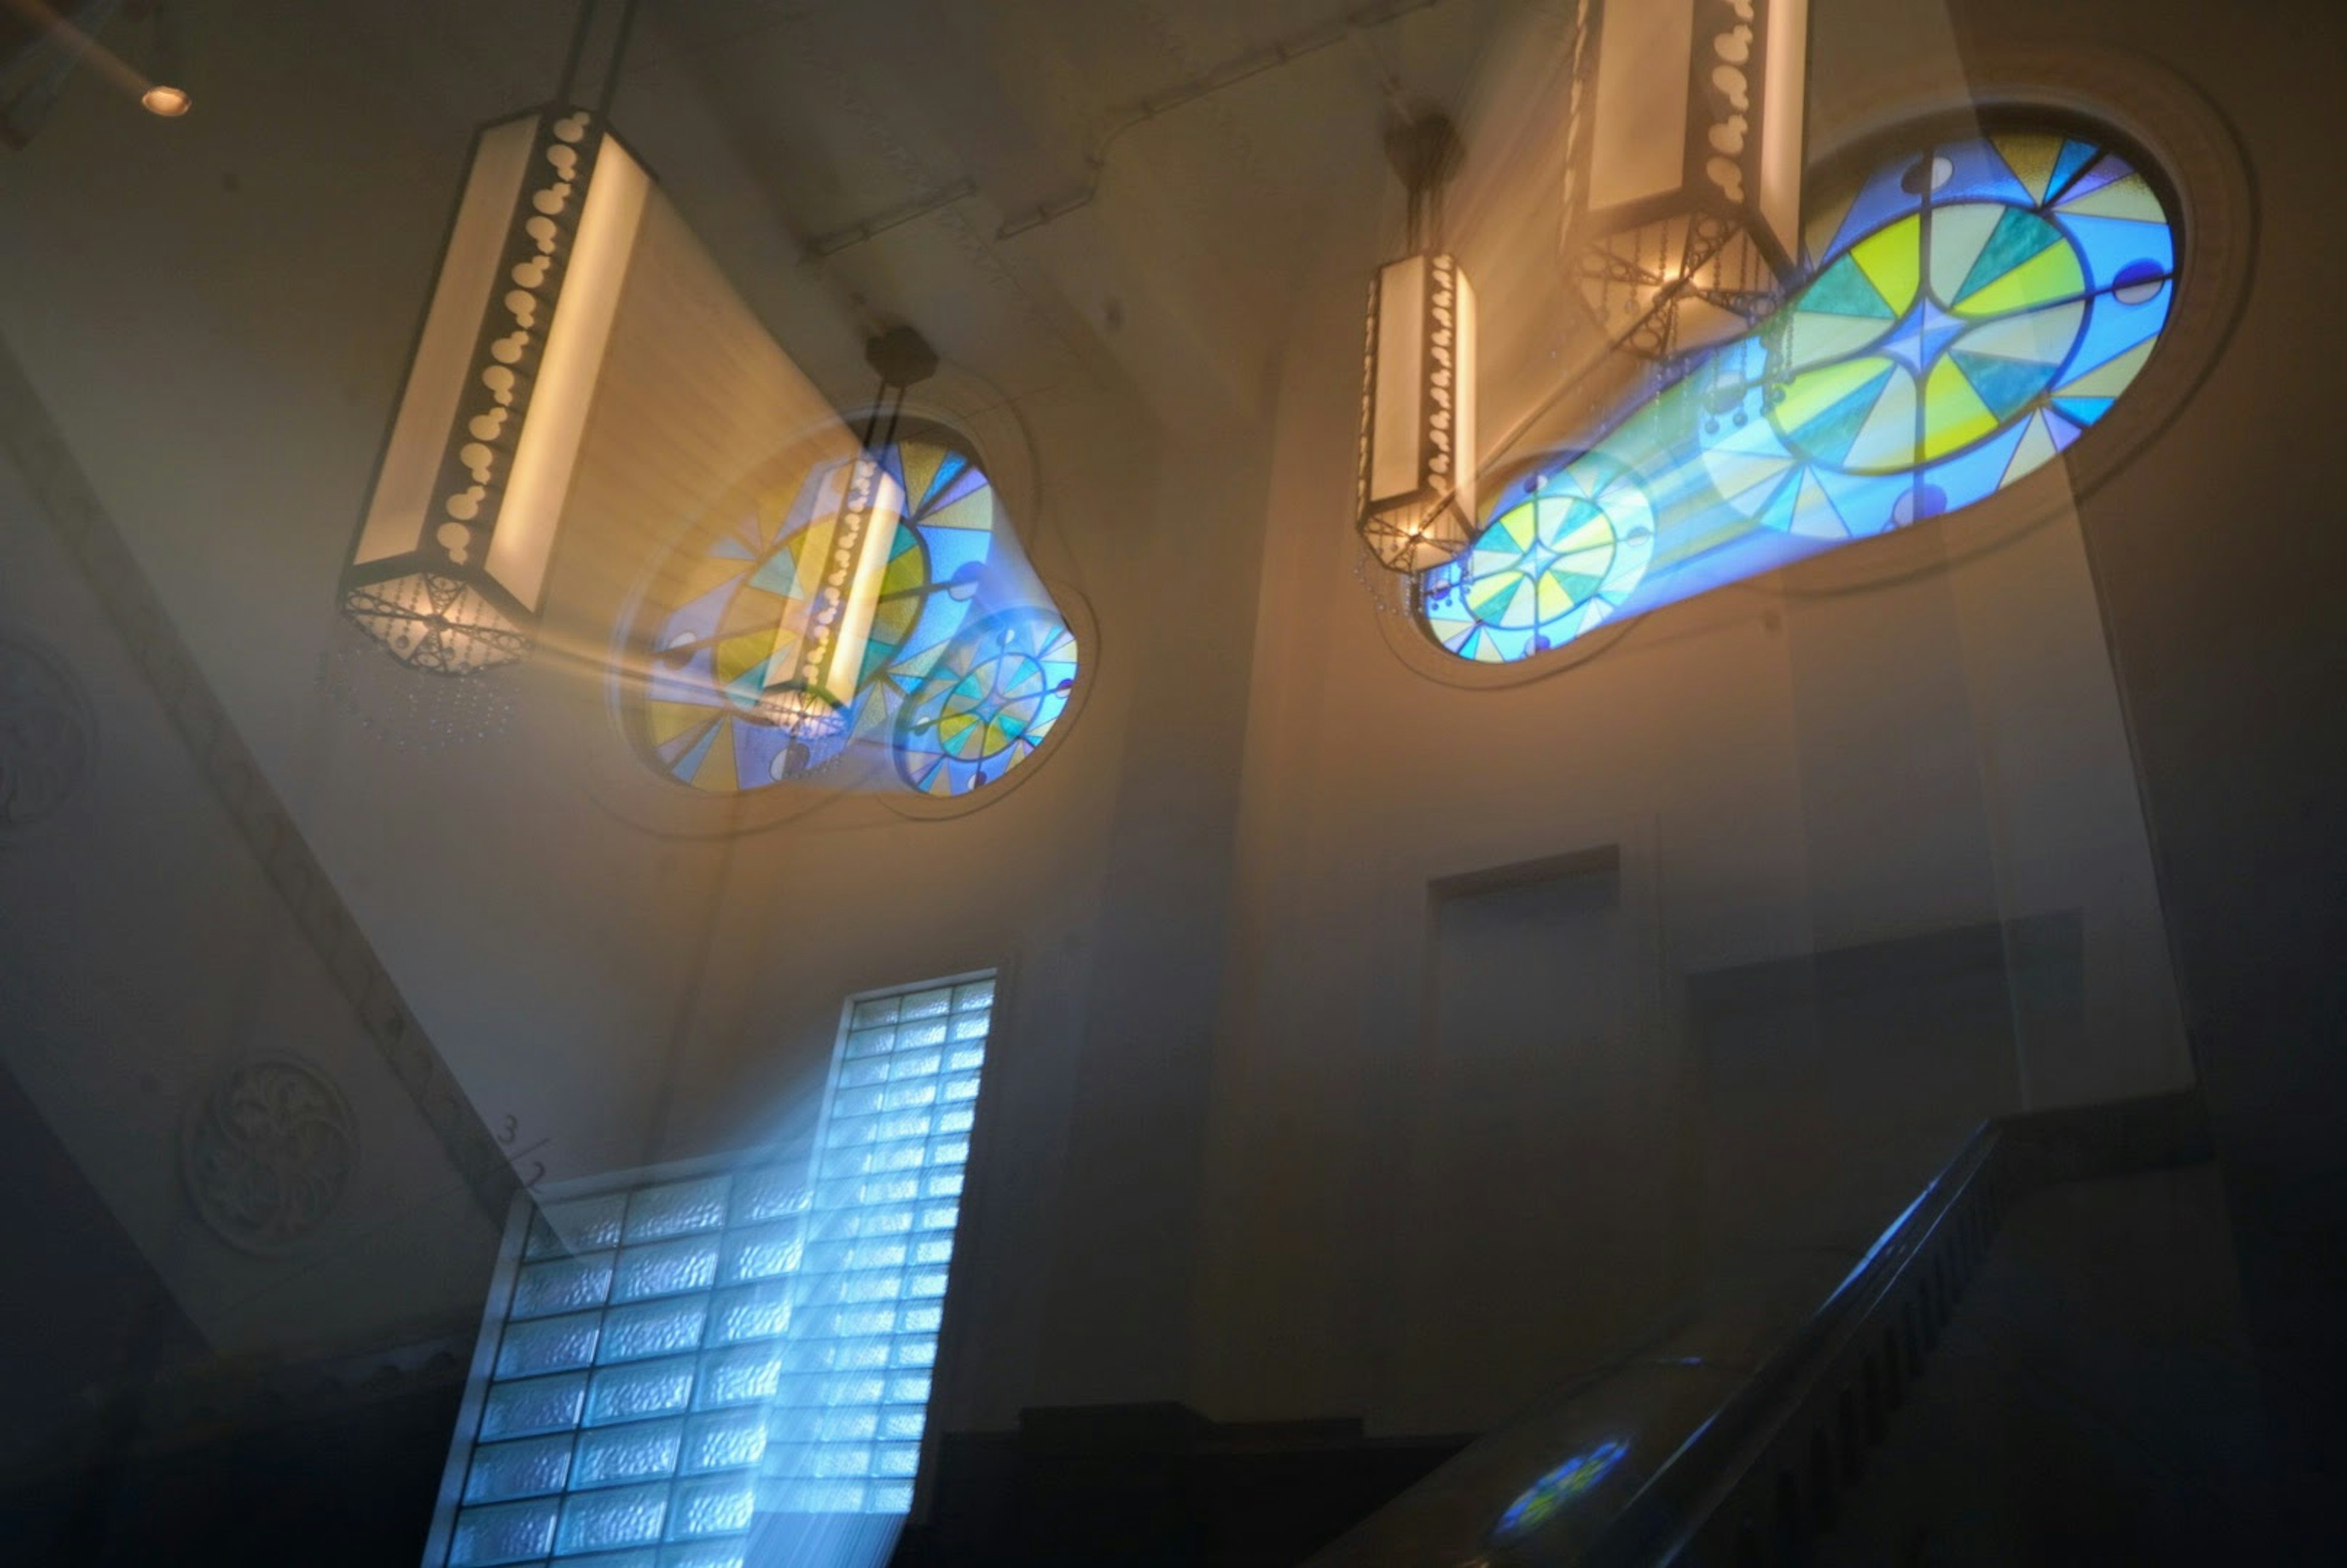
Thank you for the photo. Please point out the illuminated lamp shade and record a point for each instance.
(1417, 490)
(449, 568)
(816, 667)
(817, 664)
(168, 102)
(1691, 169)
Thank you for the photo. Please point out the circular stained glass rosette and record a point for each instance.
(1548, 566)
(698, 716)
(988, 702)
(1973, 310)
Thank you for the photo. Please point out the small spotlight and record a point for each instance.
(169, 102)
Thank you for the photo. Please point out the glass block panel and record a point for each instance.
(664, 1268)
(503, 1472)
(549, 1345)
(599, 1521)
(679, 1208)
(654, 1329)
(674, 1352)
(539, 1405)
(725, 1439)
(511, 1532)
(634, 1393)
(720, 1505)
(582, 1224)
(562, 1285)
(616, 1455)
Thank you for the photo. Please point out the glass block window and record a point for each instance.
(668, 1357)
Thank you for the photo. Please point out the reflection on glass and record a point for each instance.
(1540, 1501)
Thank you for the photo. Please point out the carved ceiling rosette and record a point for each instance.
(268, 1151)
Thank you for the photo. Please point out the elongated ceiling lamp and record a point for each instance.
(1416, 497)
(817, 664)
(449, 568)
(1692, 169)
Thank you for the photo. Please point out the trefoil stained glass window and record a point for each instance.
(968, 667)
(1973, 306)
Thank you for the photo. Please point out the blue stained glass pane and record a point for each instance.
(504, 1471)
(765, 1253)
(741, 1375)
(750, 1312)
(655, 1328)
(719, 1554)
(720, 1505)
(927, 1004)
(562, 1285)
(768, 1195)
(641, 1390)
(664, 1268)
(547, 1345)
(677, 1208)
(509, 1532)
(586, 1225)
(618, 1455)
(539, 1405)
(725, 1439)
(601, 1521)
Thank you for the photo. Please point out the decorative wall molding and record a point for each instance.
(49, 735)
(268, 1150)
(31, 438)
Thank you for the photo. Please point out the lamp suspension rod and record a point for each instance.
(582, 32)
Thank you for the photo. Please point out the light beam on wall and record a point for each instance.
(448, 570)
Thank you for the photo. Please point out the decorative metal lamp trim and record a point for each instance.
(1689, 239)
(449, 569)
(1415, 498)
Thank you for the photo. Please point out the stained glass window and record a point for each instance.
(953, 568)
(669, 1359)
(1972, 307)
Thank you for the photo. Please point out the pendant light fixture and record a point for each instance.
(1415, 496)
(817, 664)
(449, 569)
(1692, 172)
